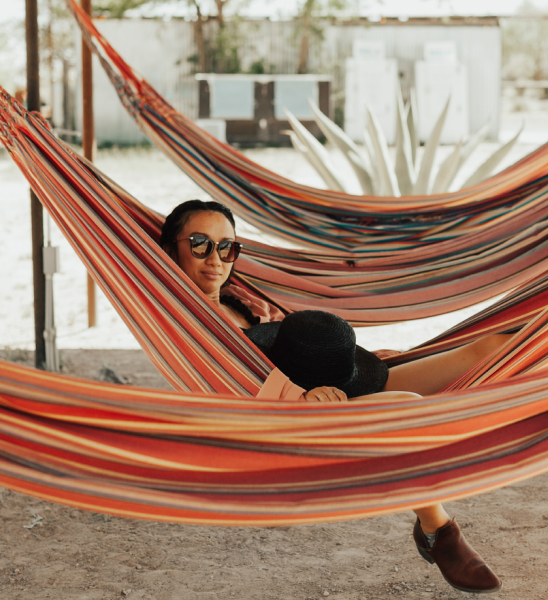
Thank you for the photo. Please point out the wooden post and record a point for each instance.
(88, 142)
(36, 215)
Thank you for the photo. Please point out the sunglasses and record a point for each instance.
(202, 247)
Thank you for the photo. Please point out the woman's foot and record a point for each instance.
(461, 566)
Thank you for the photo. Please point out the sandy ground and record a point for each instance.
(58, 552)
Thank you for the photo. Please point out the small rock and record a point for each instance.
(126, 592)
(326, 593)
(396, 569)
(108, 375)
(138, 567)
(17, 571)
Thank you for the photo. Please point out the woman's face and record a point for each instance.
(209, 273)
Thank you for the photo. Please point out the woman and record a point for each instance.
(200, 237)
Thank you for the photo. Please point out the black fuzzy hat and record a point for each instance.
(315, 348)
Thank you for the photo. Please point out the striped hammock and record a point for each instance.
(369, 260)
(325, 220)
(209, 452)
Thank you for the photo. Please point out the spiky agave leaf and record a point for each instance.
(384, 178)
(491, 163)
(389, 183)
(315, 153)
(473, 142)
(430, 148)
(447, 171)
(412, 126)
(336, 136)
(370, 150)
(464, 153)
(404, 168)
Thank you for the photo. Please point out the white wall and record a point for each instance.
(159, 51)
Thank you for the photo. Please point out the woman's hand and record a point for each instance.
(325, 394)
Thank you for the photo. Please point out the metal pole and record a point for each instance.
(36, 215)
(88, 142)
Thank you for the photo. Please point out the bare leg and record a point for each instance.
(428, 376)
(431, 374)
(432, 517)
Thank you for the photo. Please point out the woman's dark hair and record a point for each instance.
(181, 215)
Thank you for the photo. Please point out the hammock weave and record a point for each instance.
(210, 452)
(368, 257)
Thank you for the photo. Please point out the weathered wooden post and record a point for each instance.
(88, 141)
(36, 214)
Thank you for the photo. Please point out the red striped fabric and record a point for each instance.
(210, 453)
(370, 260)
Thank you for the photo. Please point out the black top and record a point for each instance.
(315, 348)
(240, 307)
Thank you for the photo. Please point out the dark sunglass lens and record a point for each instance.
(236, 247)
(201, 247)
(226, 251)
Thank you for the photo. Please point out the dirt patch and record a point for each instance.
(57, 552)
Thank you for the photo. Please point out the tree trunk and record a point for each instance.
(198, 26)
(220, 18)
(306, 22)
(303, 55)
(49, 44)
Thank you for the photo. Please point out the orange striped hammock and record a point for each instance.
(217, 450)
(370, 260)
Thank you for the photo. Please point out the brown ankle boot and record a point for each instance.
(461, 566)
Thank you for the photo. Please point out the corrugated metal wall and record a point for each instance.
(157, 50)
(160, 51)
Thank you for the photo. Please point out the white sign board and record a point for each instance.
(368, 50)
(440, 52)
(294, 96)
(370, 83)
(232, 98)
(435, 82)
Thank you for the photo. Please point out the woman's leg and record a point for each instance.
(432, 517)
(431, 374)
(458, 562)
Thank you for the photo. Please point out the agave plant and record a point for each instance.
(372, 164)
